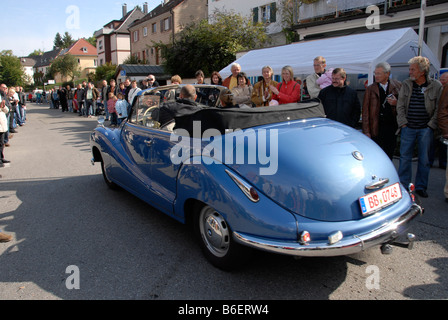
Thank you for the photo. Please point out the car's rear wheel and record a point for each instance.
(216, 239)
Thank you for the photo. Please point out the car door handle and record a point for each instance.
(377, 184)
(149, 142)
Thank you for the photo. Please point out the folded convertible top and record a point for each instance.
(224, 119)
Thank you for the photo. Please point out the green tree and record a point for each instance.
(210, 47)
(57, 42)
(11, 70)
(105, 72)
(67, 65)
(36, 53)
(67, 40)
(92, 40)
(131, 59)
(289, 12)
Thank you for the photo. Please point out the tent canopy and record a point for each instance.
(357, 54)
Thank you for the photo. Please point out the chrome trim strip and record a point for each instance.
(378, 184)
(346, 246)
(245, 187)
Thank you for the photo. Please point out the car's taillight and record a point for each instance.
(305, 237)
(411, 189)
(247, 189)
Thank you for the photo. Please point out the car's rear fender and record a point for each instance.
(211, 185)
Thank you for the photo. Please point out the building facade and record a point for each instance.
(113, 40)
(86, 55)
(161, 25)
(28, 64)
(268, 12)
(331, 18)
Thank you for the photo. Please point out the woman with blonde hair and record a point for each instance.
(262, 93)
(288, 91)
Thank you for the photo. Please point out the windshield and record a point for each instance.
(146, 108)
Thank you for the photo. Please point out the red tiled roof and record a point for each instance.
(82, 48)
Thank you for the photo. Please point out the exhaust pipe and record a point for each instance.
(387, 247)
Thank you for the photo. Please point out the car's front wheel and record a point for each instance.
(109, 182)
(216, 239)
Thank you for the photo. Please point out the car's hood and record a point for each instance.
(317, 173)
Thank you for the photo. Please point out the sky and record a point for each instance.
(29, 25)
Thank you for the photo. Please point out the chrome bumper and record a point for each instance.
(350, 245)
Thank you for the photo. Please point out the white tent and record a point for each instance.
(357, 54)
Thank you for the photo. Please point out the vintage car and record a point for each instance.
(283, 179)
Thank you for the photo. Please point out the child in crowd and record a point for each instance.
(111, 102)
(325, 79)
(121, 107)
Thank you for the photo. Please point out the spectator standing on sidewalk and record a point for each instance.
(104, 98)
(417, 107)
(91, 96)
(442, 120)
(80, 93)
(379, 114)
(341, 102)
(4, 111)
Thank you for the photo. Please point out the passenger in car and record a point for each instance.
(185, 104)
(242, 93)
(228, 100)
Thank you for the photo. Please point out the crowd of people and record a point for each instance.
(415, 110)
(12, 115)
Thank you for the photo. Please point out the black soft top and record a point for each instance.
(224, 119)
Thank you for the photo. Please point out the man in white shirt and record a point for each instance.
(319, 68)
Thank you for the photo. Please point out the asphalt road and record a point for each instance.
(76, 239)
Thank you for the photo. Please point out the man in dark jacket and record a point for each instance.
(442, 120)
(80, 93)
(184, 105)
(341, 102)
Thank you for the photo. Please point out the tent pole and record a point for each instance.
(421, 29)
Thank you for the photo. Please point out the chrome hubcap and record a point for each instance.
(214, 232)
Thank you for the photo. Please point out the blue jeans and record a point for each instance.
(409, 138)
(19, 115)
(90, 107)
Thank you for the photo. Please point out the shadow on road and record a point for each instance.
(124, 249)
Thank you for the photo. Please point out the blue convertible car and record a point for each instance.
(282, 179)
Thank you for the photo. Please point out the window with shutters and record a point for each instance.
(265, 14)
(165, 24)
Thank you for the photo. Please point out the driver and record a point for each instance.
(182, 106)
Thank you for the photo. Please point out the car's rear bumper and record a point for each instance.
(350, 245)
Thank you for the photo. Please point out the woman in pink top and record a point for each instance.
(287, 91)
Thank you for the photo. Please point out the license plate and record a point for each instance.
(380, 199)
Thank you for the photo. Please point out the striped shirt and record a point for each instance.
(418, 117)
